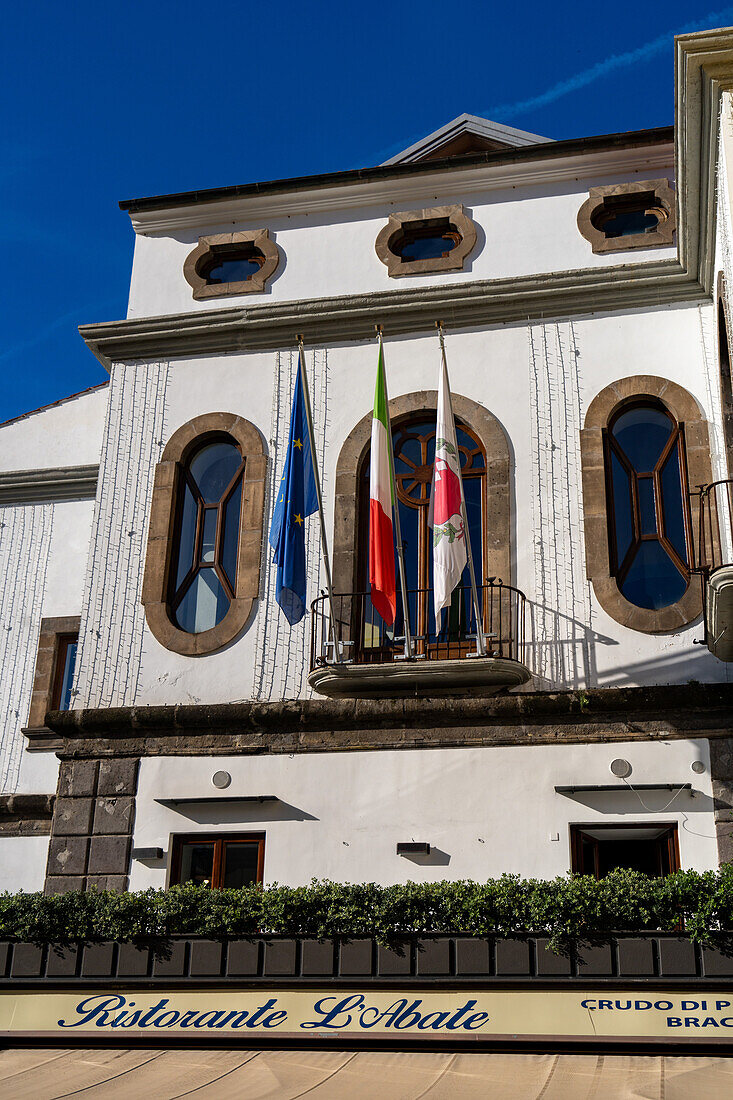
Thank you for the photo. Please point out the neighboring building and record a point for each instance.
(585, 287)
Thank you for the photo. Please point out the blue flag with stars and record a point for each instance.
(296, 499)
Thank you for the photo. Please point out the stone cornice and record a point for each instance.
(418, 186)
(404, 310)
(40, 486)
(703, 70)
(316, 725)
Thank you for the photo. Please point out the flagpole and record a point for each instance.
(396, 509)
(317, 479)
(480, 643)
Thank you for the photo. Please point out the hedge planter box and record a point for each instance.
(623, 991)
(662, 958)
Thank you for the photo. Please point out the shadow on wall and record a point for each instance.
(649, 802)
(238, 812)
(561, 652)
(436, 858)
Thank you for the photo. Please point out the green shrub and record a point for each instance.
(564, 908)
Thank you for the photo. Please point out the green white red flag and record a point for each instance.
(381, 498)
(446, 512)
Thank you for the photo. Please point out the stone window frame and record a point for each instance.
(661, 237)
(725, 359)
(177, 840)
(453, 261)
(53, 632)
(259, 238)
(161, 533)
(696, 454)
(354, 452)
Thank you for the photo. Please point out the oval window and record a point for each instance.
(206, 542)
(428, 239)
(647, 506)
(231, 264)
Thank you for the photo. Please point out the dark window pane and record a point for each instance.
(642, 433)
(427, 248)
(187, 536)
(240, 863)
(230, 537)
(634, 854)
(204, 605)
(411, 449)
(197, 863)
(208, 543)
(627, 223)
(653, 579)
(672, 504)
(67, 678)
(621, 508)
(233, 271)
(646, 505)
(213, 469)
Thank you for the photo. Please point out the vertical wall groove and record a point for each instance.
(25, 541)
(112, 620)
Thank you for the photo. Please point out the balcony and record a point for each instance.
(369, 659)
(714, 561)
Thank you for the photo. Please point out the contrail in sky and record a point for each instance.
(616, 61)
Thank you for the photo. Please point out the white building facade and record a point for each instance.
(161, 726)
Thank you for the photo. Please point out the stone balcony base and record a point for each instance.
(464, 676)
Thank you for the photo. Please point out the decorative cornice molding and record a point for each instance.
(703, 70)
(412, 309)
(413, 190)
(313, 725)
(36, 486)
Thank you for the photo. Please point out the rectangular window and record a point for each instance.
(598, 849)
(231, 860)
(64, 676)
(54, 676)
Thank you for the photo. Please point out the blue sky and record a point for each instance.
(102, 103)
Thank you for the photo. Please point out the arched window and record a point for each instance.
(202, 570)
(204, 577)
(414, 454)
(643, 442)
(649, 524)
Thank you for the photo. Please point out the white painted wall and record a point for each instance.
(576, 643)
(521, 231)
(67, 434)
(23, 863)
(484, 810)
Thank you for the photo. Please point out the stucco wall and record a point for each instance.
(23, 864)
(521, 231)
(484, 810)
(68, 434)
(538, 382)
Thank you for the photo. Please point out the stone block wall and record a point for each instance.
(91, 830)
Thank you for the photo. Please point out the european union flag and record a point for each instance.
(296, 499)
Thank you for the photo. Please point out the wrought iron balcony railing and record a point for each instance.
(714, 544)
(363, 638)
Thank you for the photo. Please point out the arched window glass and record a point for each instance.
(204, 562)
(648, 510)
(414, 454)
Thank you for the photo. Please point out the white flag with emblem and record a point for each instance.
(446, 512)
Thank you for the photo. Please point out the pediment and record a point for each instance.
(463, 136)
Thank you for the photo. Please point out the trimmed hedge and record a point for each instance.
(571, 907)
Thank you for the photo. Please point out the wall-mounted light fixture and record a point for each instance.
(147, 853)
(413, 849)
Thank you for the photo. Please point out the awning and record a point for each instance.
(50, 1074)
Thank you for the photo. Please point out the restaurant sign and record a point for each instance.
(448, 1014)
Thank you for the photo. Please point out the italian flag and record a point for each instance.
(381, 497)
